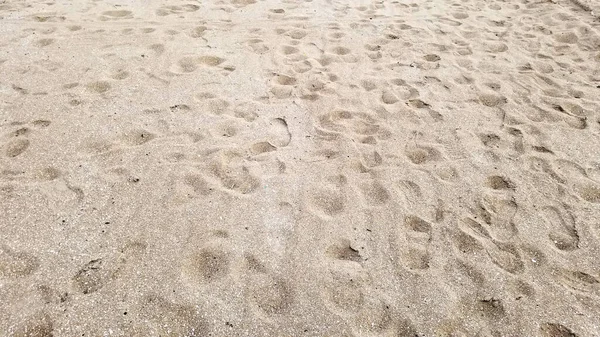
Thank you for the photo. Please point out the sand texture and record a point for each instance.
(299, 168)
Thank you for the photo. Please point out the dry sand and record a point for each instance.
(299, 168)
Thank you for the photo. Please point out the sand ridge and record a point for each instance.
(299, 168)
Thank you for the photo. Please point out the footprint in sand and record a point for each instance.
(160, 316)
(496, 215)
(375, 193)
(326, 201)
(17, 264)
(99, 87)
(198, 184)
(577, 281)
(420, 155)
(16, 147)
(344, 292)
(230, 169)
(116, 15)
(38, 325)
(270, 295)
(278, 133)
(98, 273)
(555, 330)
(416, 255)
(473, 237)
(562, 231)
(207, 265)
(190, 64)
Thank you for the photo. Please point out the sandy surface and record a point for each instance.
(324, 168)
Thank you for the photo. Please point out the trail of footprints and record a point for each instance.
(350, 116)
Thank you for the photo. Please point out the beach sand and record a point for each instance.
(299, 168)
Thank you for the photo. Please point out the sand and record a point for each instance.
(299, 168)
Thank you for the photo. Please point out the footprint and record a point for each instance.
(262, 147)
(376, 316)
(566, 37)
(341, 51)
(465, 243)
(281, 92)
(242, 3)
(490, 308)
(506, 257)
(211, 61)
(39, 325)
(217, 106)
(257, 46)
(492, 100)
(21, 132)
(344, 251)
(190, 63)
(344, 292)
(246, 111)
(371, 158)
(254, 264)
(99, 86)
(388, 97)
(137, 137)
(52, 296)
(326, 201)
(284, 80)
(234, 177)
(375, 193)
(198, 184)
(422, 154)
(561, 229)
(16, 147)
(368, 85)
(590, 193)
(41, 123)
(278, 132)
(120, 75)
(416, 255)
(499, 183)
(533, 256)
(466, 271)
(289, 50)
(297, 34)
(92, 276)
(497, 215)
(208, 265)
(161, 317)
(158, 49)
(17, 264)
(496, 47)
(168, 10)
(358, 123)
(577, 281)
(117, 14)
(272, 295)
(44, 42)
(187, 64)
(197, 32)
(473, 236)
(405, 328)
(97, 273)
(432, 58)
(555, 330)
